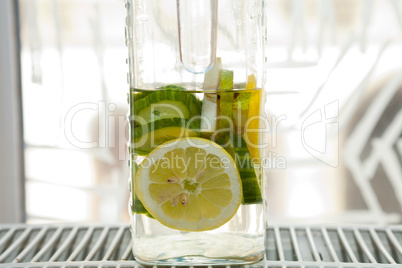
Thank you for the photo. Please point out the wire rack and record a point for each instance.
(109, 246)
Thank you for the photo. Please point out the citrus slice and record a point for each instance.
(189, 184)
(251, 133)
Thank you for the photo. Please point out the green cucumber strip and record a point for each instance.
(189, 100)
(226, 82)
(135, 95)
(137, 151)
(240, 108)
(251, 187)
(224, 141)
(135, 204)
(241, 100)
(165, 123)
(226, 99)
(138, 207)
(164, 109)
(240, 153)
(161, 131)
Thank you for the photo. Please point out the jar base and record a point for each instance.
(199, 249)
(200, 261)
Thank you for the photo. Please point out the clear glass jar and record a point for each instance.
(196, 84)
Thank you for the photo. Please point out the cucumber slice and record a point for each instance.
(188, 99)
(251, 189)
(249, 173)
(147, 137)
(135, 204)
(226, 80)
(240, 111)
(247, 170)
(137, 95)
(226, 100)
(164, 109)
(138, 207)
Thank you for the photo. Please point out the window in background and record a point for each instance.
(334, 97)
(335, 87)
(74, 104)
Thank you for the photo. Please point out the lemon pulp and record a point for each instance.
(189, 184)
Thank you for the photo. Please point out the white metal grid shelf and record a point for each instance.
(109, 246)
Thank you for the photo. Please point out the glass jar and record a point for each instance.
(196, 75)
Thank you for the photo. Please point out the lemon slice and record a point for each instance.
(253, 113)
(189, 184)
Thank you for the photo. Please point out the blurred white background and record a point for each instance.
(74, 93)
(334, 86)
